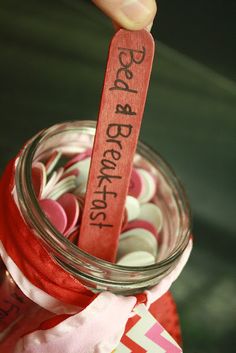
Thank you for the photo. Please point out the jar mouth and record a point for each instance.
(70, 256)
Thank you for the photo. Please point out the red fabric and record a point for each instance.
(35, 262)
(29, 254)
(46, 325)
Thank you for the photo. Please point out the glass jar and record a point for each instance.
(95, 274)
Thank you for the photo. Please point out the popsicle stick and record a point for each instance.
(122, 104)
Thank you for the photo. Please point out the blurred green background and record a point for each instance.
(52, 59)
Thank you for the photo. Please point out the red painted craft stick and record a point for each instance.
(122, 104)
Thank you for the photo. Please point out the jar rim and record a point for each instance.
(64, 251)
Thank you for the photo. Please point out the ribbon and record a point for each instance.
(34, 260)
(98, 321)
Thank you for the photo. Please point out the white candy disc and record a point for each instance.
(152, 213)
(52, 162)
(132, 207)
(137, 239)
(83, 167)
(60, 173)
(148, 187)
(137, 258)
(65, 185)
(50, 185)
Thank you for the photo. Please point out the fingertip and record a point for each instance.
(138, 14)
(129, 14)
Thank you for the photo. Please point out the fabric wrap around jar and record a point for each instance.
(63, 293)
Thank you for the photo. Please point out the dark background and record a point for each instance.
(52, 59)
(203, 30)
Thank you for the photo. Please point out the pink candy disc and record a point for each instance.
(39, 178)
(140, 223)
(135, 185)
(149, 186)
(71, 207)
(55, 213)
(79, 157)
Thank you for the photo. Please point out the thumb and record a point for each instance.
(129, 14)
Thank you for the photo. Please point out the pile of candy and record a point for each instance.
(60, 185)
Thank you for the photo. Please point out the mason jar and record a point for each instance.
(23, 222)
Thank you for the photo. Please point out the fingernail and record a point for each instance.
(136, 10)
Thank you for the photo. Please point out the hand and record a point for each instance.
(129, 14)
